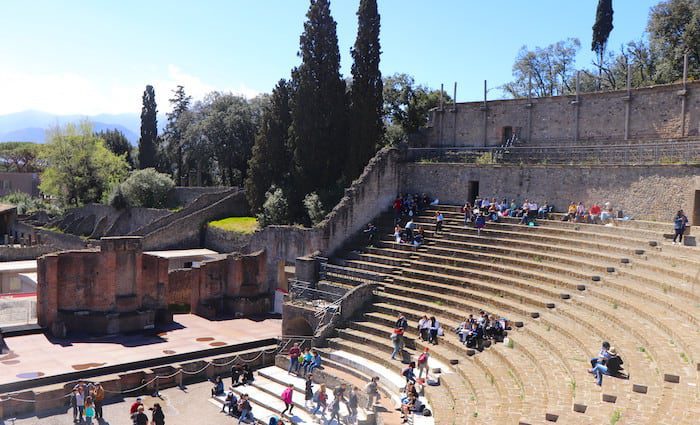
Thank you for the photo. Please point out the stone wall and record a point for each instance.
(56, 239)
(643, 192)
(221, 240)
(183, 195)
(649, 113)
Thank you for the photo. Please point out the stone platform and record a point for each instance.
(35, 356)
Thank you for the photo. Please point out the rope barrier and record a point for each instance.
(236, 358)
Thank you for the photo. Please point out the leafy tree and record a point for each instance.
(314, 208)
(551, 70)
(601, 29)
(117, 142)
(148, 143)
(20, 157)
(145, 188)
(275, 209)
(79, 167)
(674, 29)
(407, 106)
(319, 108)
(175, 131)
(270, 161)
(366, 99)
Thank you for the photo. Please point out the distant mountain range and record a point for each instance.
(30, 126)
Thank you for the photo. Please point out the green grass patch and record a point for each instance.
(615, 418)
(245, 225)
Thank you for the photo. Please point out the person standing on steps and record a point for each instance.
(434, 330)
(372, 392)
(439, 218)
(294, 354)
(409, 374)
(401, 322)
(680, 221)
(321, 399)
(287, 399)
(479, 223)
(397, 342)
(423, 363)
(309, 391)
(158, 417)
(352, 405)
(99, 400)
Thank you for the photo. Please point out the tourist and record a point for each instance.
(611, 366)
(680, 221)
(580, 212)
(371, 231)
(133, 410)
(409, 374)
(439, 218)
(397, 342)
(218, 387)
(434, 330)
(468, 213)
(140, 418)
(424, 328)
(543, 210)
(316, 361)
(512, 208)
(397, 234)
(401, 322)
(594, 213)
(236, 373)
(307, 360)
(99, 400)
(570, 212)
(231, 401)
(493, 212)
(80, 402)
(464, 328)
(294, 354)
(479, 223)
(423, 363)
(248, 375)
(372, 392)
(603, 354)
(321, 399)
(409, 230)
(335, 410)
(89, 410)
(287, 399)
(308, 391)
(246, 410)
(74, 404)
(419, 238)
(398, 207)
(352, 404)
(158, 417)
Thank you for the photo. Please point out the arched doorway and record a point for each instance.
(297, 326)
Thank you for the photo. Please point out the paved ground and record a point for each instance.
(36, 355)
(181, 407)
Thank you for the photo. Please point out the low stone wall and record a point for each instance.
(60, 241)
(182, 195)
(221, 240)
(16, 253)
(642, 192)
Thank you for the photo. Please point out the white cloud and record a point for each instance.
(72, 93)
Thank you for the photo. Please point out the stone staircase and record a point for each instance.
(565, 287)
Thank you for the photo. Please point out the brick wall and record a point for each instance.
(643, 192)
(654, 113)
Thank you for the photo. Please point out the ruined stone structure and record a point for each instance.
(659, 112)
(118, 288)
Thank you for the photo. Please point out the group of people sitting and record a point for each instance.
(473, 331)
(407, 205)
(608, 362)
(595, 214)
(303, 362)
(494, 210)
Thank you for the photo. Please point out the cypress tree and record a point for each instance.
(174, 129)
(318, 109)
(601, 30)
(270, 163)
(148, 143)
(366, 100)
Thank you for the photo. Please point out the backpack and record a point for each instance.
(406, 372)
(422, 358)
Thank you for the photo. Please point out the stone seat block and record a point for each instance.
(564, 296)
(580, 408)
(674, 379)
(641, 389)
(609, 398)
(551, 417)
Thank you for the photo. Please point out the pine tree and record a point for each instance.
(319, 109)
(174, 130)
(366, 100)
(270, 163)
(148, 143)
(602, 28)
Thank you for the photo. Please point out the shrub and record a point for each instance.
(275, 209)
(147, 188)
(28, 205)
(314, 208)
(117, 199)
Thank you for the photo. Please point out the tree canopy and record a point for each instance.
(601, 28)
(148, 143)
(21, 157)
(117, 142)
(79, 167)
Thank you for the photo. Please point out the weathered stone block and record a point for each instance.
(609, 398)
(637, 388)
(674, 379)
(551, 417)
(580, 408)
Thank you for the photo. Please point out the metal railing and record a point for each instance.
(667, 153)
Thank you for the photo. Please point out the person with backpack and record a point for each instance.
(610, 366)
(246, 410)
(397, 342)
(409, 374)
(372, 392)
(321, 399)
(287, 399)
(680, 221)
(231, 402)
(157, 417)
(423, 363)
(401, 322)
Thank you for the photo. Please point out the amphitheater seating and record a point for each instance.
(566, 287)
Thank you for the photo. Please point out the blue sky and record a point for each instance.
(91, 57)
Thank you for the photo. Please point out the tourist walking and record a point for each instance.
(439, 218)
(397, 342)
(99, 400)
(140, 418)
(158, 417)
(353, 401)
(479, 223)
(308, 391)
(372, 392)
(409, 374)
(287, 399)
(423, 363)
(321, 399)
(680, 221)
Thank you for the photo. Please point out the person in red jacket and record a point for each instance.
(294, 354)
(594, 213)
